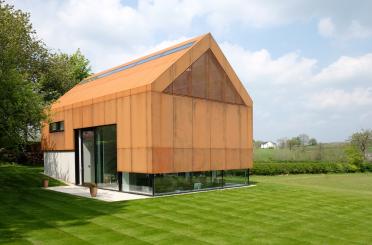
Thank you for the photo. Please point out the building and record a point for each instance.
(268, 145)
(176, 120)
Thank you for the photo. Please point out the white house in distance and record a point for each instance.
(268, 145)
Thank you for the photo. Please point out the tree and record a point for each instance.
(30, 77)
(282, 143)
(295, 141)
(313, 141)
(63, 72)
(354, 155)
(304, 139)
(361, 141)
(22, 60)
(257, 143)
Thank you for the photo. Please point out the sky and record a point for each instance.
(306, 64)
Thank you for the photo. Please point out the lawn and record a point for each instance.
(299, 209)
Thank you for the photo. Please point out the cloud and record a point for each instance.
(357, 30)
(343, 31)
(113, 29)
(347, 69)
(292, 95)
(339, 98)
(326, 27)
(260, 66)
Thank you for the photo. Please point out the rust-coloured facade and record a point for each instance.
(180, 110)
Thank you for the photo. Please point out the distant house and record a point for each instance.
(268, 145)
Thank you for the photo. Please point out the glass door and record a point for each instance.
(88, 161)
(98, 157)
(106, 169)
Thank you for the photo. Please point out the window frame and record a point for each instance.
(56, 127)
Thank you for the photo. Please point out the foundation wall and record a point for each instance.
(60, 165)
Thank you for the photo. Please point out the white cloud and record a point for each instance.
(346, 69)
(108, 32)
(326, 27)
(357, 30)
(259, 66)
(292, 96)
(110, 25)
(338, 98)
(352, 29)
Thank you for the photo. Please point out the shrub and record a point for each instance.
(308, 168)
(354, 156)
(366, 167)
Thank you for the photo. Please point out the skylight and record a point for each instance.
(154, 57)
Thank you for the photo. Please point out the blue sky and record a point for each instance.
(306, 64)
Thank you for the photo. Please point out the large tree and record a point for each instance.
(63, 72)
(22, 60)
(30, 77)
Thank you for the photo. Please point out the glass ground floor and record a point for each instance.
(96, 162)
(161, 184)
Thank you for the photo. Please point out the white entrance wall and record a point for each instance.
(60, 165)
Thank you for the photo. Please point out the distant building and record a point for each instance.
(268, 145)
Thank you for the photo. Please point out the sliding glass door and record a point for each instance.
(106, 157)
(98, 155)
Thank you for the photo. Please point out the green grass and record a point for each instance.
(301, 209)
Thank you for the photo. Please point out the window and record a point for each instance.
(56, 127)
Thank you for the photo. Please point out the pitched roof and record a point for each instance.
(152, 72)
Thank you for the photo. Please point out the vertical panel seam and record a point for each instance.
(225, 133)
(130, 132)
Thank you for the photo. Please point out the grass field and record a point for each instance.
(300, 209)
(324, 152)
(328, 152)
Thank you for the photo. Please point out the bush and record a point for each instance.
(366, 167)
(354, 156)
(308, 168)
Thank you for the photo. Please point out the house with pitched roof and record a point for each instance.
(177, 120)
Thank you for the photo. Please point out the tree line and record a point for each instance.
(32, 76)
(358, 146)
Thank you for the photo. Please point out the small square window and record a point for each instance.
(56, 127)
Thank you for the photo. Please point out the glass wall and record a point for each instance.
(235, 177)
(160, 184)
(182, 182)
(138, 183)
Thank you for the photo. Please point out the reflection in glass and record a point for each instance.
(138, 183)
(105, 140)
(183, 182)
(88, 156)
(160, 184)
(235, 177)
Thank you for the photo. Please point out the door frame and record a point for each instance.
(79, 156)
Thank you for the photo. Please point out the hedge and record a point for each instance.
(308, 168)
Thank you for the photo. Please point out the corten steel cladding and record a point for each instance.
(181, 109)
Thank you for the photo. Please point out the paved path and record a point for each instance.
(103, 195)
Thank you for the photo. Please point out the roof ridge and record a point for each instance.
(146, 58)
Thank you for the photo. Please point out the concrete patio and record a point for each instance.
(103, 195)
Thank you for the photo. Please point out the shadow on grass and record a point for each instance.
(25, 207)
